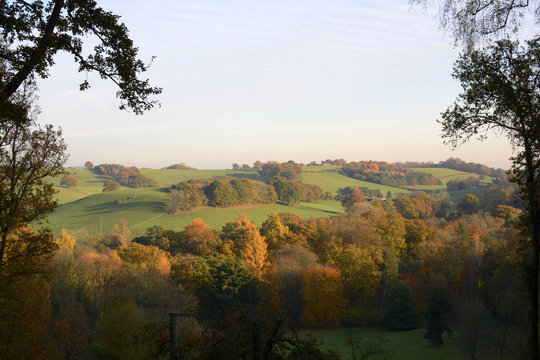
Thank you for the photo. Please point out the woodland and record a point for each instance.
(452, 261)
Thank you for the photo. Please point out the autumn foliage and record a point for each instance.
(324, 296)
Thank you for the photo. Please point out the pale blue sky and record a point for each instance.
(271, 80)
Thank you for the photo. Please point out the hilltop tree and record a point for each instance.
(89, 165)
(500, 92)
(68, 181)
(33, 32)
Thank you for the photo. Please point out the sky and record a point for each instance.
(247, 80)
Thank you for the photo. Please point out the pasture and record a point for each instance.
(330, 181)
(168, 177)
(85, 206)
(445, 175)
(88, 183)
(403, 345)
(142, 208)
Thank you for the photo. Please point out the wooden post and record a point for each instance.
(173, 332)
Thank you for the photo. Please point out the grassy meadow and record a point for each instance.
(142, 208)
(168, 177)
(86, 206)
(403, 345)
(445, 175)
(330, 181)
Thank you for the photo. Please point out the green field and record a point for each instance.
(403, 345)
(85, 206)
(88, 184)
(445, 175)
(145, 207)
(330, 181)
(167, 177)
(329, 168)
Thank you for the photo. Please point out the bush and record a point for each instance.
(110, 185)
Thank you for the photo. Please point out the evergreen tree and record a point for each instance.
(401, 313)
(438, 310)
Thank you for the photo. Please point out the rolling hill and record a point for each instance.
(86, 206)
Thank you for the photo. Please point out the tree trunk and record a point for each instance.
(173, 334)
(532, 274)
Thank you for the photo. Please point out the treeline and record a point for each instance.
(191, 194)
(381, 172)
(462, 184)
(127, 176)
(328, 162)
(460, 165)
(288, 170)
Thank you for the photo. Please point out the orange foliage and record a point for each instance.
(323, 294)
(247, 243)
(199, 238)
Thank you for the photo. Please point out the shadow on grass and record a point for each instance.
(129, 205)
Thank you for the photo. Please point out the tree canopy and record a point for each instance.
(470, 21)
(33, 32)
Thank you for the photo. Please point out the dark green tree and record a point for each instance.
(401, 313)
(500, 92)
(221, 193)
(437, 316)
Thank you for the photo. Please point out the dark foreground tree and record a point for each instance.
(28, 155)
(501, 93)
(33, 32)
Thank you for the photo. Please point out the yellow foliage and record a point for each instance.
(65, 241)
(145, 257)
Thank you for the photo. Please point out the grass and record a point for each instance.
(403, 345)
(329, 168)
(85, 206)
(167, 177)
(333, 181)
(100, 212)
(88, 184)
(445, 175)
